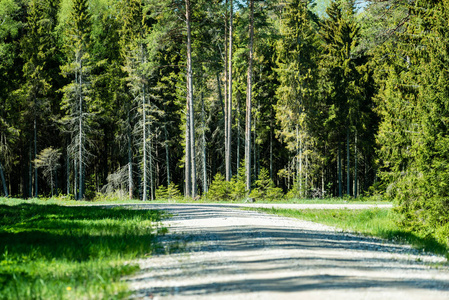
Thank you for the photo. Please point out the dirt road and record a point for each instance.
(226, 253)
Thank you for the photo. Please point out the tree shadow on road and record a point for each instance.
(234, 252)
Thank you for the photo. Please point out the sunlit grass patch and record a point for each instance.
(49, 251)
(375, 222)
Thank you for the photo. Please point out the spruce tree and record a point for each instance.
(413, 132)
(341, 73)
(39, 27)
(297, 52)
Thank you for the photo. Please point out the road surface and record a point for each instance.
(221, 252)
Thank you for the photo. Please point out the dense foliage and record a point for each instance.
(138, 94)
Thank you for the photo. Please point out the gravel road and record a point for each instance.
(226, 253)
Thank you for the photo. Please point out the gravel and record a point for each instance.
(219, 252)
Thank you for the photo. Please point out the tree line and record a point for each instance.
(133, 95)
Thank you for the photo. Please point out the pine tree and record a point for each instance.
(135, 31)
(249, 92)
(76, 94)
(228, 104)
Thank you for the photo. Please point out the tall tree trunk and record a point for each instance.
(348, 177)
(51, 182)
(306, 176)
(220, 96)
(238, 137)
(203, 124)
(188, 177)
(226, 96)
(35, 155)
(144, 145)
(322, 184)
(30, 175)
(68, 171)
(56, 182)
(271, 141)
(254, 147)
(249, 98)
(150, 158)
(80, 157)
(229, 106)
(340, 184)
(75, 179)
(190, 101)
(2, 176)
(130, 159)
(167, 153)
(355, 167)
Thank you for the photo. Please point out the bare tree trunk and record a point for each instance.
(190, 102)
(35, 154)
(75, 178)
(271, 142)
(226, 96)
(355, 167)
(306, 175)
(322, 184)
(150, 157)
(249, 98)
(144, 145)
(204, 146)
(2, 176)
(300, 175)
(348, 178)
(167, 154)
(255, 169)
(68, 172)
(30, 175)
(80, 163)
(229, 105)
(238, 137)
(130, 160)
(188, 177)
(340, 184)
(51, 182)
(220, 96)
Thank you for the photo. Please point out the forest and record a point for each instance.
(228, 99)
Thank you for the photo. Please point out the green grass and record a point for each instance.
(49, 251)
(113, 199)
(371, 222)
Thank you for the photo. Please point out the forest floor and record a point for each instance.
(215, 251)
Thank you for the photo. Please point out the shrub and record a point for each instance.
(219, 189)
(238, 185)
(265, 188)
(171, 192)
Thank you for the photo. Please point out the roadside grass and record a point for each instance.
(105, 200)
(376, 222)
(49, 251)
(360, 200)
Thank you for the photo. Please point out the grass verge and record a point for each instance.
(49, 251)
(375, 222)
(107, 200)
